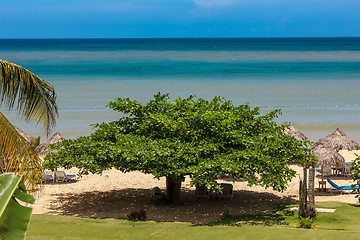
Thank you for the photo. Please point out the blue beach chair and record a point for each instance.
(341, 188)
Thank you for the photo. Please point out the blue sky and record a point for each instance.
(178, 18)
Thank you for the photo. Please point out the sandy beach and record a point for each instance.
(114, 194)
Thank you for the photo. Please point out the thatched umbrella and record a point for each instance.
(292, 131)
(327, 158)
(338, 140)
(29, 139)
(42, 150)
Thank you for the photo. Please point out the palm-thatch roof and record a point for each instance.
(292, 131)
(328, 157)
(29, 139)
(42, 149)
(338, 140)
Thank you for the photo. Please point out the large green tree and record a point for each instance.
(34, 99)
(188, 136)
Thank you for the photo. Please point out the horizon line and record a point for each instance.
(64, 38)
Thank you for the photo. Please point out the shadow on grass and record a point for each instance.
(354, 205)
(279, 217)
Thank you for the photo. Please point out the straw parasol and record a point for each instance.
(42, 150)
(292, 131)
(338, 140)
(328, 157)
(29, 139)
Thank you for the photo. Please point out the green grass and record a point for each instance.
(343, 224)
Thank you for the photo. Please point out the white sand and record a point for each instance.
(114, 194)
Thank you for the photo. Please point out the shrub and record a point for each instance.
(137, 215)
(307, 218)
(307, 222)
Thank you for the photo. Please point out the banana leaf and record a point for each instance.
(14, 218)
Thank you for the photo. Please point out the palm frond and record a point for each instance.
(32, 97)
(17, 156)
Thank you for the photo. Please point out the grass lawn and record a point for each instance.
(343, 224)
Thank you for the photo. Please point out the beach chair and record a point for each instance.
(48, 176)
(227, 191)
(201, 191)
(341, 188)
(61, 176)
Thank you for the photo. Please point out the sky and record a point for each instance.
(178, 18)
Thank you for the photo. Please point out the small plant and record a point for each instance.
(307, 218)
(137, 215)
(306, 222)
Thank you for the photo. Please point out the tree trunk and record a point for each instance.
(173, 189)
(301, 210)
(305, 188)
(312, 185)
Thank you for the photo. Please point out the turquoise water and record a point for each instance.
(315, 81)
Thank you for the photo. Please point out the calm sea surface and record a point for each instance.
(315, 81)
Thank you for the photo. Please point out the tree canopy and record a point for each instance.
(190, 136)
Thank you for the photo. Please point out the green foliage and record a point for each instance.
(355, 174)
(14, 218)
(307, 218)
(34, 99)
(306, 222)
(187, 136)
(137, 215)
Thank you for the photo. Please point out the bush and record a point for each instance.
(308, 218)
(307, 222)
(137, 215)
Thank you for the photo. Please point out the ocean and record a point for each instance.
(314, 81)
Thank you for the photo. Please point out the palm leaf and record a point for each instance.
(14, 218)
(17, 155)
(32, 97)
